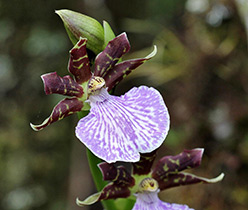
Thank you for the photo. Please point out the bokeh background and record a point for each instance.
(201, 69)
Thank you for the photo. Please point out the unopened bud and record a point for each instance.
(78, 25)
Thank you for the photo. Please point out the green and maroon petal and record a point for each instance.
(143, 166)
(63, 109)
(109, 171)
(111, 191)
(182, 178)
(64, 86)
(120, 179)
(107, 59)
(173, 164)
(79, 64)
(121, 70)
(119, 175)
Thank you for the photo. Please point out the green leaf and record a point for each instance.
(78, 25)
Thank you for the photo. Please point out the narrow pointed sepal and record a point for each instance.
(64, 86)
(173, 164)
(121, 70)
(114, 191)
(143, 166)
(63, 109)
(119, 175)
(120, 179)
(78, 25)
(111, 191)
(79, 64)
(182, 178)
(119, 128)
(107, 59)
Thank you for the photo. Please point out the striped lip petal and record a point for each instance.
(115, 49)
(121, 70)
(79, 64)
(150, 201)
(63, 109)
(64, 86)
(119, 128)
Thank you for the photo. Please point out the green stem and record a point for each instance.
(96, 173)
(97, 177)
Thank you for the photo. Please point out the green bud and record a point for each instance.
(78, 25)
(108, 33)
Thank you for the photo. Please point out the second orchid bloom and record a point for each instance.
(146, 182)
(117, 128)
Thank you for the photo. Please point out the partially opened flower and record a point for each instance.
(117, 128)
(77, 89)
(145, 183)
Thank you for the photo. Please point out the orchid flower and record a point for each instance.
(106, 67)
(117, 128)
(145, 183)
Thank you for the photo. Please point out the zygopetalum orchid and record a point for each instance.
(117, 128)
(145, 183)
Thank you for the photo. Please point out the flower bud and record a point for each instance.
(78, 25)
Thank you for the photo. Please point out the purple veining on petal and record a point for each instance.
(118, 128)
(150, 201)
(64, 86)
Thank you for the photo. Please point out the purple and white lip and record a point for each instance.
(119, 128)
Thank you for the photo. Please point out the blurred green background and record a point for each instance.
(201, 69)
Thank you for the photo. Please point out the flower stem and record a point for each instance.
(97, 177)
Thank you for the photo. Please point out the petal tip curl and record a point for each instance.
(88, 201)
(35, 127)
